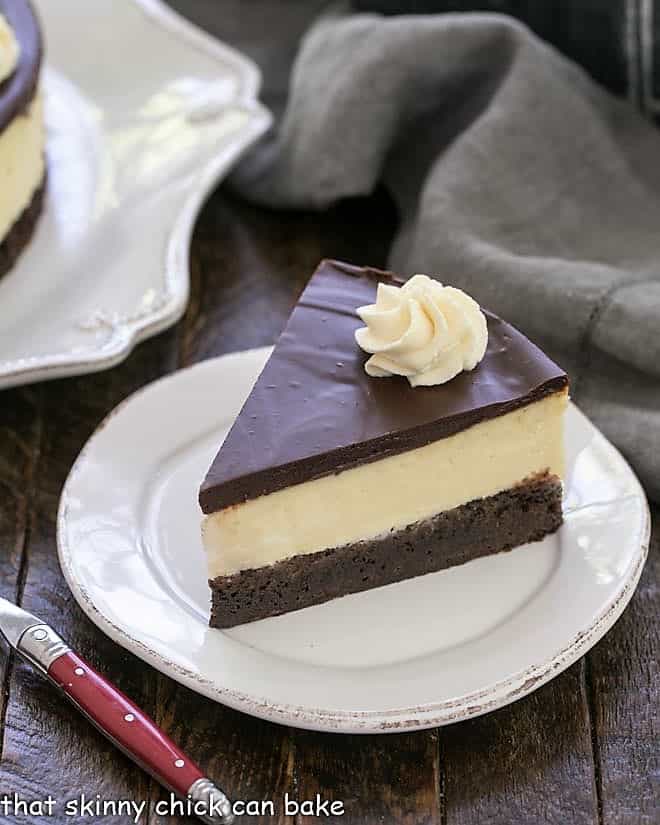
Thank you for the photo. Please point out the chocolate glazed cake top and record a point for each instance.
(18, 89)
(315, 411)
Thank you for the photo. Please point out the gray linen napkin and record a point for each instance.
(517, 179)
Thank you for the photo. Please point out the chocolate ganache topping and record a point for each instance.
(19, 88)
(315, 411)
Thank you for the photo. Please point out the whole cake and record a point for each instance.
(395, 430)
(22, 138)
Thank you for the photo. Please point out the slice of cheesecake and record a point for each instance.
(343, 472)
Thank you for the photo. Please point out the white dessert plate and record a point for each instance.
(417, 654)
(144, 114)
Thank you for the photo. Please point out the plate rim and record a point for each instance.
(396, 720)
(128, 333)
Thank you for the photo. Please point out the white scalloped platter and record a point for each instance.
(145, 114)
(417, 654)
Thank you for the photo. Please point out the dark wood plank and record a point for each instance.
(530, 762)
(250, 759)
(251, 264)
(20, 437)
(624, 684)
(20, 429)
(389, 779)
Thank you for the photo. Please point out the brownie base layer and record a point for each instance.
(21, 231)
(480, 528)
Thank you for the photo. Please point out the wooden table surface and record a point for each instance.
(585, 748)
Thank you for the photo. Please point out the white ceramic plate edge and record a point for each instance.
(129, 333)
(396, 720)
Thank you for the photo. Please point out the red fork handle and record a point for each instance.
(120, 720)
(129, 728)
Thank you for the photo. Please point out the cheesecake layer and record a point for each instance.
(314, 411)
(491, 525)
(22, 164)
(374, 498)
